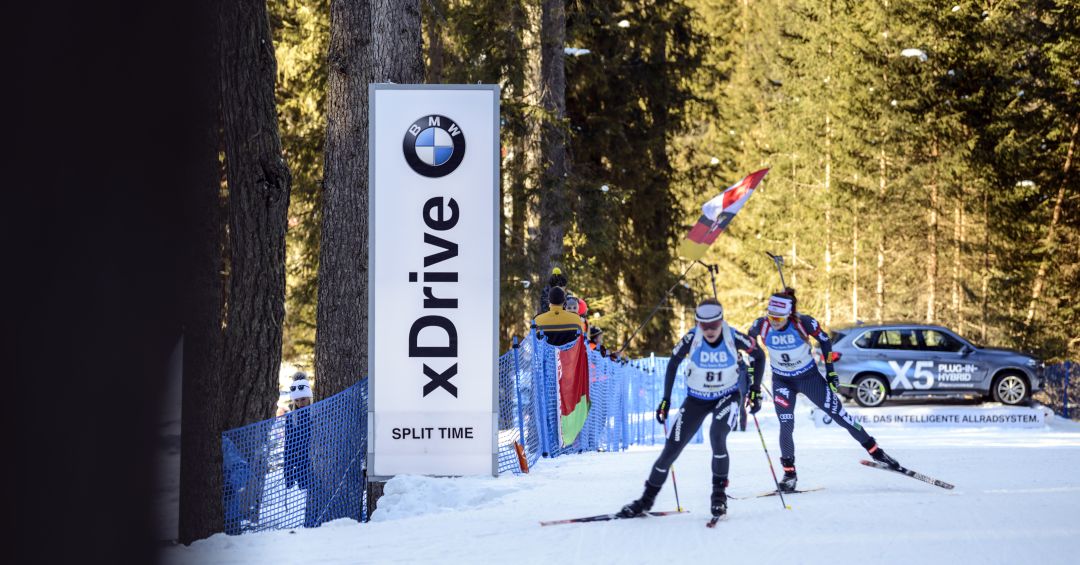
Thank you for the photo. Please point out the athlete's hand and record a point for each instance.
(661, 411)
(834, 380)
(753, 400)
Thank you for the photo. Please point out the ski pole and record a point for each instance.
(653, 313)
(767, 458)
(674, 484)
(779, 267)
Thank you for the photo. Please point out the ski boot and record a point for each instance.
(719, 498)
(642, 505)
(787, 484)
(879, 454)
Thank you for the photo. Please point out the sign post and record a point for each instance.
(433, 279)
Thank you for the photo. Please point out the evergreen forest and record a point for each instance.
(922, 157)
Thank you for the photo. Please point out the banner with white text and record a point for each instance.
(942, 416)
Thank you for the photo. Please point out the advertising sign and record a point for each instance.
(433, 279)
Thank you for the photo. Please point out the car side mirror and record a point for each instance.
(966, 350)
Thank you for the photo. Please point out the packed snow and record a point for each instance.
(1016, 500)
(912, 52)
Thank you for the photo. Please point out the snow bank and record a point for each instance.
(406, 496)
(1016, 500)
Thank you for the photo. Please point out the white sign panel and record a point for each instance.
(433, 279)
(942, 416)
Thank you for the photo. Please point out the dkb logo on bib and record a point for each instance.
(434, 146)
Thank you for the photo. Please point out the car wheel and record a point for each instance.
(870, 391)
(1010, 389)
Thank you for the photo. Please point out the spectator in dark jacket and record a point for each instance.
(596, 341)
(298, 436)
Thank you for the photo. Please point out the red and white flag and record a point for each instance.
(716, 214)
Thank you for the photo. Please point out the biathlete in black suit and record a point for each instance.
(716, 382)
(786, 334)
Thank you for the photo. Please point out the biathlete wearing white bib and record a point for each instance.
(714, 374)
(716, 382)
(795, 371)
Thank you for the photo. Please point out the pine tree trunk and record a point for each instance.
(828, 180)
(434, 17)
(958, 244)
(931, 238)
(828, 220)
(378, 41)
(879, 291)
(203, 403)
(855, 269)
(259, 185)
(532, 44)
(984, 310)
(1051, 232)
(651, 203)
(341, 353)
(794, 261)
(341, 338)
(397, 41)
(554, 167)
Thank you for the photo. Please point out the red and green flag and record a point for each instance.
(716, 214)
(572, 378)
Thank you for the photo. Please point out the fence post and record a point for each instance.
(517, 391)
(652, 396)
(539, 392)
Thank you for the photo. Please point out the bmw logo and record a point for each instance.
(434, 146)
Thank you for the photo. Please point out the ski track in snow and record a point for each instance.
(863, 515)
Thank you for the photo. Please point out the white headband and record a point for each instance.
(709, 313)
(300, 389)
(779, 306)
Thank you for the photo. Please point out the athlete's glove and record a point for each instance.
(661, 411)
(834, 380)
(753, 400)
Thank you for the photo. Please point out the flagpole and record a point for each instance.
(719, 215)
(658, 306)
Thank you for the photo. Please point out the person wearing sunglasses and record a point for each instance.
(716, 382)
(298, 432)
(786, 334)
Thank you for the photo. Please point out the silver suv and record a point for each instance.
(913, 360)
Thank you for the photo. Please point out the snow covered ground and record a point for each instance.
(1017, 500)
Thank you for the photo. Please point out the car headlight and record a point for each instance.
(1032, 363)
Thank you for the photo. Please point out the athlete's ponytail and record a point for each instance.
(793, 317)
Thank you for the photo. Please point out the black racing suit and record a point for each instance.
(791, 374)
(724, 410)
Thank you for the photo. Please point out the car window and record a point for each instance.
(934, 340)
(865, 340)
(896, 339)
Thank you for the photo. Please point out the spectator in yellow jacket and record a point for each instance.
(559, 327)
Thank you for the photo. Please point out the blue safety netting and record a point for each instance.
(623, 400)
(1061, 389)
(307, 467)
(298, 470)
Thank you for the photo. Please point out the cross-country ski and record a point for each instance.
(616, 516)
(904, 471)
(798, 491)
